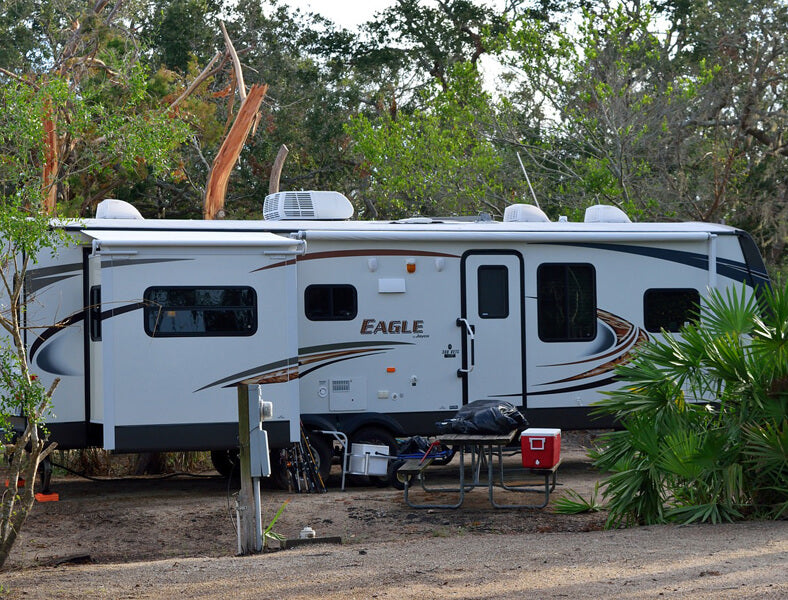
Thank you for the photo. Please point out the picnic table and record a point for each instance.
(486, 453)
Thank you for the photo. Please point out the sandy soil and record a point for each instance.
(152, 538)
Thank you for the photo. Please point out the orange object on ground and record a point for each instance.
(53, 497)
(19, 483)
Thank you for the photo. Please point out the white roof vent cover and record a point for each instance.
(116, 209)
(318, 205)
(604, 213)
(524, 213)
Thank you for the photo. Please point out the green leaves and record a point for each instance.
(680, 459)
(432, 161)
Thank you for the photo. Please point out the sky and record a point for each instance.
(352, 13)
(346, 13)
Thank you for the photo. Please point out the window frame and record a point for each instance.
(149, 306)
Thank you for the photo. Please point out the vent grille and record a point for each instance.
(340, 385)
(306, 206)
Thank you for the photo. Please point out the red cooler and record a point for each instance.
(541, 447)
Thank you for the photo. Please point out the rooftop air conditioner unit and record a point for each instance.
(604, 213)
(318, 205)
(524, 213)
(116, 209)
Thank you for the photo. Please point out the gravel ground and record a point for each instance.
(153, 538)
(748, 560)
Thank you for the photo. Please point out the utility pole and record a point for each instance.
(254, 464)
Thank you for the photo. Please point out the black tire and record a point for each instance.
(280, 477)
(398, 481)
(440, 462)
(379, 437)
(226, 462)
(322, 452)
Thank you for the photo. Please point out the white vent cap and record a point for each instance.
(320, 205)
(524, 213)
(604, 213)
(116, 209)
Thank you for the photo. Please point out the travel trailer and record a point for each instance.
(375, 329)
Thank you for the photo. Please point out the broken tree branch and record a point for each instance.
(239, 76)
(225, 160)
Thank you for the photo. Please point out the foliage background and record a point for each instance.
(673, 109)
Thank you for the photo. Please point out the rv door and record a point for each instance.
(491, 326)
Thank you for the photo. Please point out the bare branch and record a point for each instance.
(204, 74)
(239, 76)
(276, 170)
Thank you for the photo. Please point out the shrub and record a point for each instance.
(704, 418)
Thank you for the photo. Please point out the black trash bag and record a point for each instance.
(413, 445)
(484, 417)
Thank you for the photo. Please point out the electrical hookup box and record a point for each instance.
(541, 448)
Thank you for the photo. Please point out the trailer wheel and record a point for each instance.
(226, 462)
(379, 437)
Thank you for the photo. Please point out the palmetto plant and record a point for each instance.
(704, 418)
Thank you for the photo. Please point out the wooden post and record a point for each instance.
(246, 504)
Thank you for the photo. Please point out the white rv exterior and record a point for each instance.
(377, 329)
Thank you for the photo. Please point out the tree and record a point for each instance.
(673, 114)
(705, 418)
(25, 233)
(435, 160)
(115, 126)
(36, 115)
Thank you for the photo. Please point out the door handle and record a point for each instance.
(468, 328)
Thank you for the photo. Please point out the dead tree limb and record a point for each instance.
(276, 170)
(229, 152)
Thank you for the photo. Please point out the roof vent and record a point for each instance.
(604, 213)
(328, 206)
(116, 209)
(524, 213)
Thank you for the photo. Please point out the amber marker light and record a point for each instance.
(410, 265)
(391, 370)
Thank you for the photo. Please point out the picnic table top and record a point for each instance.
(478, 438)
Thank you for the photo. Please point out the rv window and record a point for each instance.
(669, 309)
(493, 288)
(200, 311)
(566, 302)
(330, 302)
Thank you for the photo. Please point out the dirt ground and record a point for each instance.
(175, 537)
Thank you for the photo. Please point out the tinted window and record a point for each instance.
(330, 302)
(669, 309)
(566, 302)
(493, 286)
(200, 311)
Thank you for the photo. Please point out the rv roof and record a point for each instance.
(285, 227)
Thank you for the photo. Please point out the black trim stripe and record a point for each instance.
(735, 270)
(577, 388)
